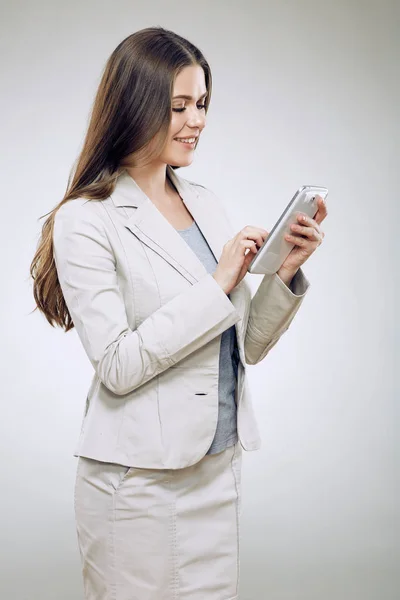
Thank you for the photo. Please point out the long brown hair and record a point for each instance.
(132, 107)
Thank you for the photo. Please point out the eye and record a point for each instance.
(200, 106)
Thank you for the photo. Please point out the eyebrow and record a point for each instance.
(189, 97)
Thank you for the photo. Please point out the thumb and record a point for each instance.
(247, 260)
(249, 256)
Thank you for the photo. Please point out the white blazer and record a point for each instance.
(150, 318)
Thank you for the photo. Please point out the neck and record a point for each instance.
(153, 180)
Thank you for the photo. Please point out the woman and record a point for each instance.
(144, 264)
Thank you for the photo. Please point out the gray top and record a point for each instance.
(226, 433)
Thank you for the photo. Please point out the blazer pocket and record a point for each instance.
(187, 408)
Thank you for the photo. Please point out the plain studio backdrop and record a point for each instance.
(304, 92)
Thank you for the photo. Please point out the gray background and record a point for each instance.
(304, 92)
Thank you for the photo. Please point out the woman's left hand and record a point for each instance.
(307, 235)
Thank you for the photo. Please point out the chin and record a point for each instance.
(179, 161)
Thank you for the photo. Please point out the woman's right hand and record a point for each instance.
(234, 261)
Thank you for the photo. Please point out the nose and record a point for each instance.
(196, 118)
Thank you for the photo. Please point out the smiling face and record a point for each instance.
(188, 116)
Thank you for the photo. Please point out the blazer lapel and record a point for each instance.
(154, 230)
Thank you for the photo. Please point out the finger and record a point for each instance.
(298, 240)
(252, 250)
(242, 245)
(307, 221)
(250, 230)
(242, 273)
(255, 228)
(310, 232)
(251, 234)
(247, 260)
(257, 234)
(322, 210)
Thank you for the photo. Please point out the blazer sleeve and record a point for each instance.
(123, 358)
(274, 305)
(272, 309)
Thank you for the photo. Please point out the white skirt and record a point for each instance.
(160, 534)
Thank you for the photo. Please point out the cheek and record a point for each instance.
(177, 123)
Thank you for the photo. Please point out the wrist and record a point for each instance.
(220, 284)
(286, 275)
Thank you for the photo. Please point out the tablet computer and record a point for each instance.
(275, 248)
